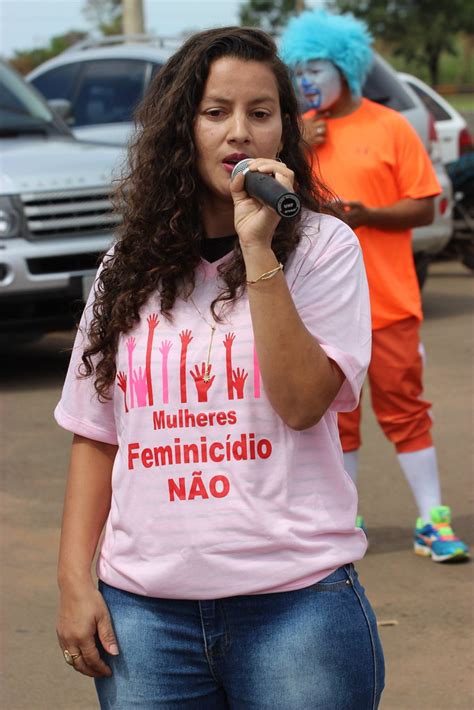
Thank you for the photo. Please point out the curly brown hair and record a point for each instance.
(158, 246)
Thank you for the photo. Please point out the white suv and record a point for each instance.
(98, 84)
(452, 129)
(56, 217)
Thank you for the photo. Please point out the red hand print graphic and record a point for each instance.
(152, 321)
(202, 380)
(228, 343)
(239, 381)
(186, 338)
(122, 383)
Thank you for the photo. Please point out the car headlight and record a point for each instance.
(10, 217)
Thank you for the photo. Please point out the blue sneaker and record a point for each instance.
(437, 540)
(360, 523)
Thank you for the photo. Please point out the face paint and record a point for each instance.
(319, 84)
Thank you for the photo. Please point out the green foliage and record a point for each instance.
(26, 60)
(454, 69)
(269, 15)
(104, 15)
(462, 102)
(419, 31)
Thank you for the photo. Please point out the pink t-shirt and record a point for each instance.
(213, 495)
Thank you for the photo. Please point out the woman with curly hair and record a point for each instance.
(216, 348)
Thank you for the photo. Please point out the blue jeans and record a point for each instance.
(312, 649)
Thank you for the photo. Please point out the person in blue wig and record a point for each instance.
(374, 162)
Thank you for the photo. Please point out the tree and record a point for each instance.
(104, 15)
(25, 61)
(417, 30)
(270, 15)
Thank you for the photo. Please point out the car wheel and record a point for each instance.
(12, 340)
(467, 255)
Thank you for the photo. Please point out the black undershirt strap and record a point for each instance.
(215, 248)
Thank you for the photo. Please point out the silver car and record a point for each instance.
(56, 216)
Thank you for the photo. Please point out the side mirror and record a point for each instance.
(63, 108)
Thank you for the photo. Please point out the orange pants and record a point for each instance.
(395, 377)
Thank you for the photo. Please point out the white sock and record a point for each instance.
(421, 471)
(351, 463)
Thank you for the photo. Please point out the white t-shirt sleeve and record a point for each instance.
(331, 294)
(79, 409)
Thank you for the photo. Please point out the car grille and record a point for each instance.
(67, 263)
(69, 213)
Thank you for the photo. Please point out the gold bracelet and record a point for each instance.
(266, 275)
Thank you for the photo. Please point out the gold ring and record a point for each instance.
(70, 657)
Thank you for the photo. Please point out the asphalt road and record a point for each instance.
(429, 649)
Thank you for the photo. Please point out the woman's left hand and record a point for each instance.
(355, 214)
(255, 223)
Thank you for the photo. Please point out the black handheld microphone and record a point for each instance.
(268, 190)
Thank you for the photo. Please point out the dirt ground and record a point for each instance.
(429, 650)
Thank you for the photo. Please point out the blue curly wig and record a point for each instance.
(342, 39)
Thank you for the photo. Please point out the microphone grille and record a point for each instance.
(240, 167)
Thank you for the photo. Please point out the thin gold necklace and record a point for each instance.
(212, 326)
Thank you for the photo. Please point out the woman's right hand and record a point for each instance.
(83, 615)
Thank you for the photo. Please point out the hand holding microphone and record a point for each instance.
(257, 219)
(268, 190)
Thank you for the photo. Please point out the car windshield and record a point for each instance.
(21, 110)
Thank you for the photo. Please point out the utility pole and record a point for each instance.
(133, 17)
